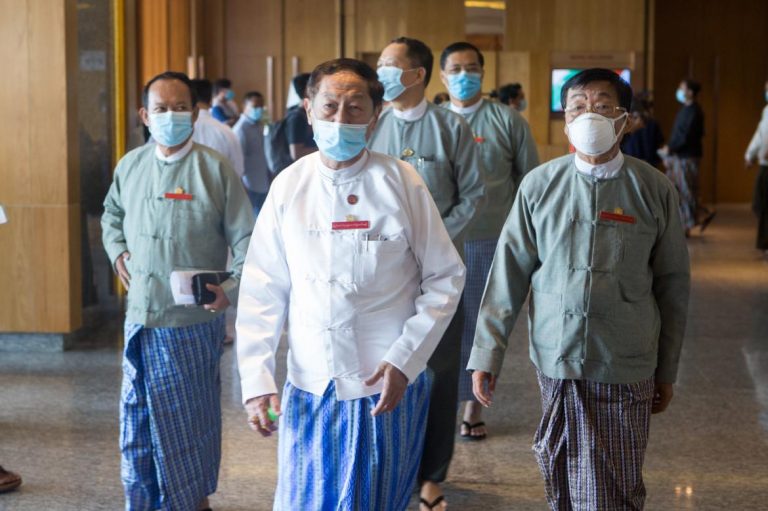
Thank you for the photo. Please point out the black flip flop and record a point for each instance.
(470, 427)
(433, 504)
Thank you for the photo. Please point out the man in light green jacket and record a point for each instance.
(597, 239)
(173, 205)
(506, 146)
(439, 145)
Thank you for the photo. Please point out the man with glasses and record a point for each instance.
(439, 144)
(598, 240)
(508, 151)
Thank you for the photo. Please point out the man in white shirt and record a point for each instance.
(212, 133)
(355, 262)
(757, 151)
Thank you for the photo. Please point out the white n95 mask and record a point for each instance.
(593, 134)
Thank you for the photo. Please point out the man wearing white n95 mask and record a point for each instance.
(353, 259)
(597, 239)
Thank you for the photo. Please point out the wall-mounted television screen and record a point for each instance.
(560, 76)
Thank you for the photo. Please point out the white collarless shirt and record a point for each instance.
(607, 170)
(358, 266)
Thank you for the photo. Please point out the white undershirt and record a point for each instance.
(605, 170)
(412, 114)
(467, 110)
(181, 153)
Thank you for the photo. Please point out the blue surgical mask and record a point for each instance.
(766, 95)
(390, 78)
(170, 129)
(680, 96)
(230, 95)
(255, 113)
(522, 105)
(464, 86)
(339, 142)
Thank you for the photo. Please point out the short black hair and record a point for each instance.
(419, 54)
(202, 88)
(360, 68)
(597, 74)
(252, 95)
(299, 83)
(460, 46)
(169, 75)
(509, 92)
(221, 83)
(693, 86)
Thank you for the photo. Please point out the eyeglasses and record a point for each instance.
(575, 110)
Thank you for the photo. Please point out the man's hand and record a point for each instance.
(122, 271)
(257, 409)
(395, 384)
(220, 303)
(662, 395)
(483, 386)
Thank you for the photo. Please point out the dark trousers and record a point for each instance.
(760, 207)
(444, 400)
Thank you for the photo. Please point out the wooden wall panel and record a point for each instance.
(252, 34)
(214, 35)
(311, 28)
(179, 34)
(542, 27)
(734, 36)
(40, 174)
(153, 38)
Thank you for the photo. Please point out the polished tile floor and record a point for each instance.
(709, 451)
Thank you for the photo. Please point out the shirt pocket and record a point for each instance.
(438, 177)
(197, 234)
(379, 259)
(634, 273)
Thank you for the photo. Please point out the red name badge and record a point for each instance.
(479, 139)
(178, 196)
(339, 226)
(617, 217)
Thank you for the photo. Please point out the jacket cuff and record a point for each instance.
(257, 385)
(408, 362)
(231, 289)
(666, 374)
(114, 251)
(485, 360)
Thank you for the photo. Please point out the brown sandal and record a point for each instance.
(9, 481)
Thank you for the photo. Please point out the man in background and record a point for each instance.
(513, 96)
(439, 144)
(508, 151)
(173, 205)
(224, 105)
(249, 130)
(210, 132)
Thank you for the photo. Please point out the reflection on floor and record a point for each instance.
(58, 417)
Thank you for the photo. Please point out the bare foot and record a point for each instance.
(431, 497)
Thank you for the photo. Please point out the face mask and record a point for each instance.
(255, 113)
(521, 106)
(170, 129)
(680, 95)
(390, 76)
(593, 134)
(464, 86)
(766, 95)
(340, 142)
(230, 95)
